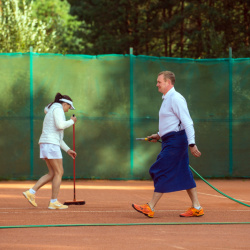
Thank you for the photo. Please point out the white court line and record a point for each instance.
(15, 208)
(108, 211)
(177, 247)
(221, 196)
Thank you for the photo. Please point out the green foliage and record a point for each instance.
(19, 30)
(173, 28)
(56, 14)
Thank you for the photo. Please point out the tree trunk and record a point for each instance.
(165, 34)
(182, 28)
(169, 34)
(246, 17)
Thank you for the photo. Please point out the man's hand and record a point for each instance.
(154, 138)
(194, 151)
(71, 153)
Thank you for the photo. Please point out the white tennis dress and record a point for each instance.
(51, 139)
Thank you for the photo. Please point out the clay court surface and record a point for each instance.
(107, 220)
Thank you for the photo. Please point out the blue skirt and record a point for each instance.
(171, 170)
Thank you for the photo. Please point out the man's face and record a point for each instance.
(163, 86)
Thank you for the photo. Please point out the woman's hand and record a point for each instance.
(73, 118)
(71, 153)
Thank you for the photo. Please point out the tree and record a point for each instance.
(174, 28)
(124, 25)
(56, 14)
(19, 30)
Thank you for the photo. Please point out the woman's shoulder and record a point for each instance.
(51, 109)
(56, 104)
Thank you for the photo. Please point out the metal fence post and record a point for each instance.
(31, 116)
(230, 113)
(131, 115)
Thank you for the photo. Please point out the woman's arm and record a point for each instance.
(64, 146)
(59, 119)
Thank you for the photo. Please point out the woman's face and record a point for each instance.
(66, 107)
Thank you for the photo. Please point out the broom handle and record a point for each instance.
(74, 162)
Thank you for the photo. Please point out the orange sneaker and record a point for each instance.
(144, 209)
(193, 212)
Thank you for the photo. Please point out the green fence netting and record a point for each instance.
(116, 101)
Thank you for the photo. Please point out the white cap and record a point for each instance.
(67, 101)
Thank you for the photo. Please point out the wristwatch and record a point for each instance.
(191, 145)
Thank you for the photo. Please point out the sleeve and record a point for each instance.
(59, 119)
(64, 146)
(180, 108)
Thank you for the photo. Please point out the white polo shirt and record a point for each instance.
(173, 110)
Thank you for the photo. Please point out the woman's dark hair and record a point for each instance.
(58, 97)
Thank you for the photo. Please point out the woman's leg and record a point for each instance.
(57, 166)
(46, 178)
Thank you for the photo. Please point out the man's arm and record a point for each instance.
(181, 110)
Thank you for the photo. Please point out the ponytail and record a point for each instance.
(58, 97)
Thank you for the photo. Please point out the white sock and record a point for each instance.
(53, 200)
(198, 208)
(151, 207)
(32, 191)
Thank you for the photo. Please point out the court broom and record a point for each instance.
(74, 202)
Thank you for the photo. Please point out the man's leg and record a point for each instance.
(148, 209)
(196, 210)
(156, 197)
(194, 197)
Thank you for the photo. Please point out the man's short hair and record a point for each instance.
(168, 75)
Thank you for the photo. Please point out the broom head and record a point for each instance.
(74, 202)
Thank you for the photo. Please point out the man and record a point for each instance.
(171, 170)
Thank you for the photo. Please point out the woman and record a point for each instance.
(50, 142)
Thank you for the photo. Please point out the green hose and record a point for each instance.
(218, 189)
(126, 224)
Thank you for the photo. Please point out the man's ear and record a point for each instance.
(169, 81)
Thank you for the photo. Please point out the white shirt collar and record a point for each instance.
(168, 93)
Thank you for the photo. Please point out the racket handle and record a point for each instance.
(145, 139)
